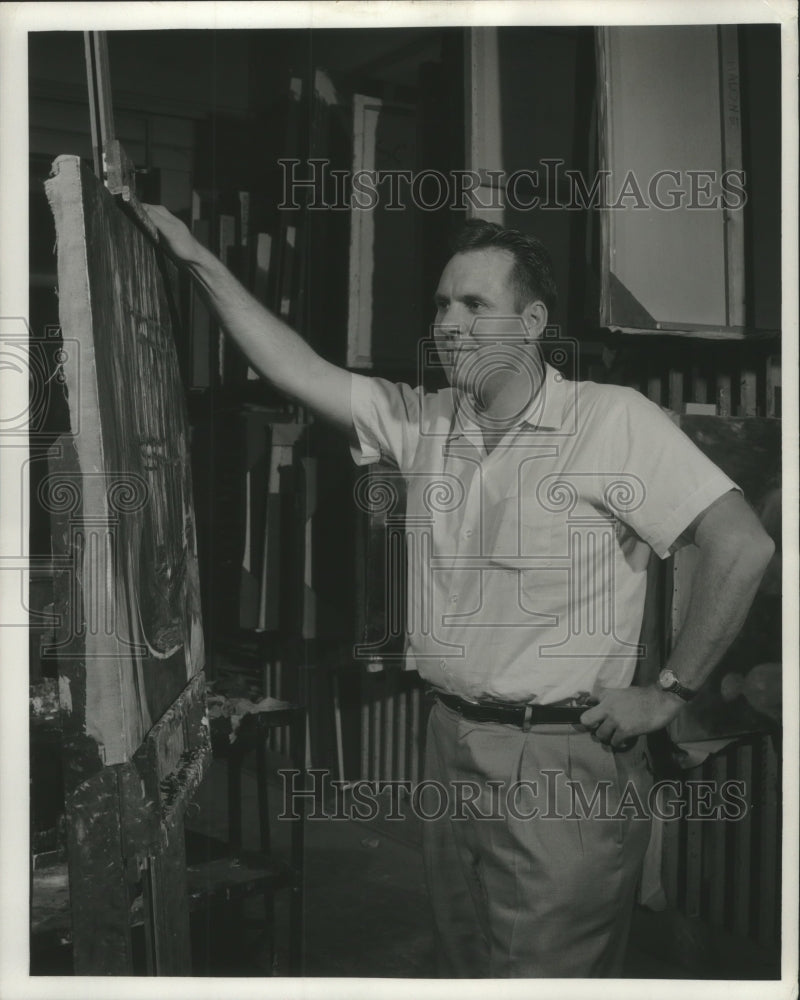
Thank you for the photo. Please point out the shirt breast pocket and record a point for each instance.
(520, 534)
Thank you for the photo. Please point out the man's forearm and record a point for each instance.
(270, 345)
(723, 587)
(724, 584)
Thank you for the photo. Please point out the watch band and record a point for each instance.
(669, 682)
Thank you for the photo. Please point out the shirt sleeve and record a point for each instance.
(657, 480)
(386, 417)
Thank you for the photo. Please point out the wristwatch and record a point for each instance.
(667, 681)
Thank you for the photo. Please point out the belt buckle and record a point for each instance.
(527, 719)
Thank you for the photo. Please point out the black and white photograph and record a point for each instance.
(398, 539)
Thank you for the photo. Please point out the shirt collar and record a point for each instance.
(546, 410)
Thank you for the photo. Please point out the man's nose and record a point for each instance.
(451, 323)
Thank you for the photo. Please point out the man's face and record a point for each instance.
(476, 315)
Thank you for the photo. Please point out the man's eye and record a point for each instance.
(474, 304)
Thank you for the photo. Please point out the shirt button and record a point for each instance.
(454, 599)
(468, 533)
(442, 664)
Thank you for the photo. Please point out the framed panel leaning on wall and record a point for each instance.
(673, 188)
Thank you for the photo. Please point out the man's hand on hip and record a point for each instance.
(624, 713)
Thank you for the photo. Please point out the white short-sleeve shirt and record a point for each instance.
(527, 566)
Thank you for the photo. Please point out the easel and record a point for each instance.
(111, 163)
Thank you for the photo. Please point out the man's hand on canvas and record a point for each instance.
(175, 235)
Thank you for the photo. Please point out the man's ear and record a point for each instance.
(534, 316)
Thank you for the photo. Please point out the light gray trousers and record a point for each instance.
(547, 890)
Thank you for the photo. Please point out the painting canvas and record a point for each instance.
(119, 490)
(381, 273)
(743, 693)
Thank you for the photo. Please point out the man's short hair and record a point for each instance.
(532, 274)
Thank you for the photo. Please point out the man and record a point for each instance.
(535, 503)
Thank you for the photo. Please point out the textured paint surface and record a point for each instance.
(132, 597)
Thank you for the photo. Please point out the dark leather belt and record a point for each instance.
(523, 716)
